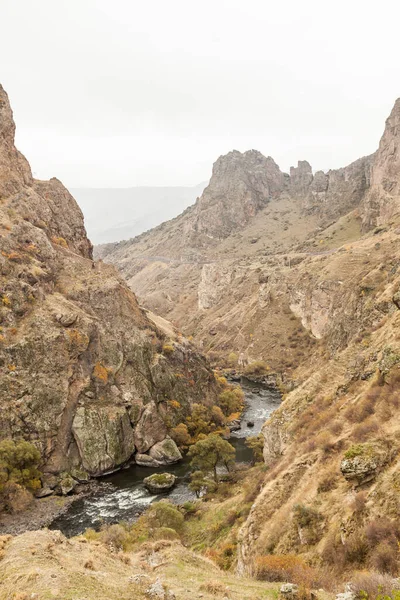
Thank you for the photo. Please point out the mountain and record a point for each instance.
(83, 372)
(299, 275)
(114, 214)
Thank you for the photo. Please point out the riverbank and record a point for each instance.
(121, 495)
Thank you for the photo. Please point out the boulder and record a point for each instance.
(362, 462)
(289, 591)
(44, 492)
(66, 485)
(165, 452)
(104, 437)
(160, 482)
(144, 460)
(150, 429)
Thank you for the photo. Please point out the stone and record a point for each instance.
(361, 463)
(157, 591)
(144, 460)
(150, 429)
(66, 485)
(396, 299)
(165, 452)
(44, 492)
(289, 591)
(66, 320)
(160, 482)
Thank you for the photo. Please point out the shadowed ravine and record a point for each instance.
(125, 497)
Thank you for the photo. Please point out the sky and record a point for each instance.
(119, 93)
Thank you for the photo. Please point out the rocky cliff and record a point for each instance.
(232, 270)
(84, 371)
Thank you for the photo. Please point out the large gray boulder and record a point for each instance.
(165, 452)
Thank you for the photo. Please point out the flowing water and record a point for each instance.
(122, 495)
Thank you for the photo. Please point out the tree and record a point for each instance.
(199, 483)
(180, 435)
(210, 452)
(256, 444)
(18, 464)
(231, 401)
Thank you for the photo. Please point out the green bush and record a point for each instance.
(164, 514)
(19, 463)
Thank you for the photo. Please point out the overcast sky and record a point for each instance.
(114, 93)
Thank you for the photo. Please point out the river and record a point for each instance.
(124, 496)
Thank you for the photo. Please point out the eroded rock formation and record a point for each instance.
(83, 373)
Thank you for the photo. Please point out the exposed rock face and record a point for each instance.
(240, 186)
(166, 452)
(82, 373)
(363, 464)
(199, 269)
(383, 198)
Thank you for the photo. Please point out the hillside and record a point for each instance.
(114, 214)
(302, 272)
(83, 372)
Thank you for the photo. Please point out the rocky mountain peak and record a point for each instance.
(240, 186)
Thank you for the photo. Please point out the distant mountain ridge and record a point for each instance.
(115, 214)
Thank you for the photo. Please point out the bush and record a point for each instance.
(258, 367)
(280, 567)
(328, 483)
(18, 467)
(168, 349)
(180, 435)
(371, 586)
(163, 514)
(364, 430)
(115, 537)
(256, 444)
(165, 533)
(231, 400)
(384, 558)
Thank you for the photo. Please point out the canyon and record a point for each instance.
(293, 279)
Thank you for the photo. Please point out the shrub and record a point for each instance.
(232, 359)
(371, 586)
(231, 400)
(164, 514)
(360, 411)
(384, 558)
(180, 435)
(364, 430)
(328, 483)
(168, 349)
(258, 367)
(279, 567)
(115, 537)
(19, 465)
(256, 444)
(60, 241)
(100, 372)
(165, 533)
(359, 502)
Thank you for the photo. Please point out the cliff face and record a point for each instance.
(225, 270)
(83, 373)
(383, 199)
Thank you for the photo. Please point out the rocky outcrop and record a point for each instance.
(82, 372)
(383, 198)
(361, 463)
(240, 186)
(160, 483)
(165, 452)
